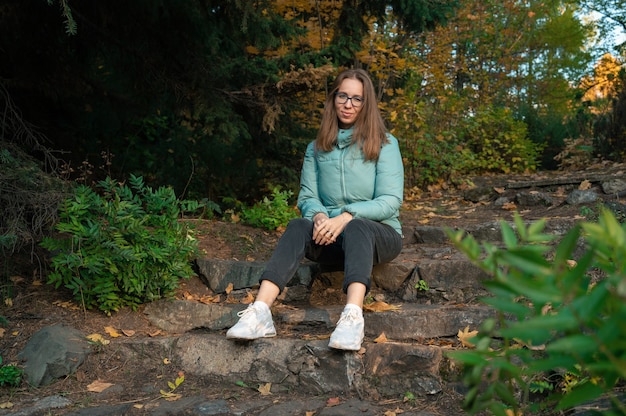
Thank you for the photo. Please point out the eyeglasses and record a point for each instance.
(342, 98)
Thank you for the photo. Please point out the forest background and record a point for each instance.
(218, 99)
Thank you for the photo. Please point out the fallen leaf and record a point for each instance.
(8, 302)
(169, 396)
(229, 288)
(381, 339)
(509, 206)
(6, 405)
(379, 306)
(499, 190)
(20, 279)
(309, 413)
(112, 331)
(333, 401)
(265, 389)
(584, 185)
(2, 331)
(155, 333)
(166, 361)
(530, 346)
(465, 335)
(66, 305)
(98, 386)
(98, 338)
(248, 299)
(138, 406)
(128, 332)
(389, 413)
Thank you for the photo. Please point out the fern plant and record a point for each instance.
(272, 212)
(123, 247)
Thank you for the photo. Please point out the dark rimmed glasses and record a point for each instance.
(342, 98)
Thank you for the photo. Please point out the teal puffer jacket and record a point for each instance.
(340, 180)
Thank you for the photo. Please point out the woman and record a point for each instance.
(351, 189)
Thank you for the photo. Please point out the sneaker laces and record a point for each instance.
(349, 316)
(249, 310)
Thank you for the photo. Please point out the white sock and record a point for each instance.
(354, 307)
(261, 305)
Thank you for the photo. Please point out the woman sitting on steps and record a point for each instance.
(351, 189)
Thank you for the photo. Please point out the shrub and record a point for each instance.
(10, 375)
(270, 213)
(122, 248)
(561, 324)
(495, 142)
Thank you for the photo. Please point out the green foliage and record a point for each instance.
(495, 142)
(70, 24)
(561, 323)
(272, 212)
(122, 248)
(10, 375)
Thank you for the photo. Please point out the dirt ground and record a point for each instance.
(30, 304)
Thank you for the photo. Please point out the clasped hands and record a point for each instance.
(326, 230)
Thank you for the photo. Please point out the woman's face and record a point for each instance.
(348, 102)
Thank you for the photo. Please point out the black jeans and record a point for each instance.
(362, 244)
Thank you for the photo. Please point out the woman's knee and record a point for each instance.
(299, 225)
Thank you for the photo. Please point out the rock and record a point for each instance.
(578, 196)
(178, 316)
(479, 194)
(614, 186)
(53, 352)
(219, 274)
(531, 199)
(44, 406)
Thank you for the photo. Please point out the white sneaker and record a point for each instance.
(254, 322)
(350, 331)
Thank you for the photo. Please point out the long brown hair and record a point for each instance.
(369, 127)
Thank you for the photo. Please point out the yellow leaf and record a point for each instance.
(465, 335)
(112, 331)
(6, 405)
(8, 302)
(138, 406)
(389, 413)
(379, 306)
(309, 413)
(381, 339)
(98, 338)
(264, 389)
(166, 361)
(98, 386)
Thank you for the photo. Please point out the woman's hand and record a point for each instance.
(326, 230)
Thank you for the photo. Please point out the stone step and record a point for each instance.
(384, 370)
(409, 322)
(428, 256)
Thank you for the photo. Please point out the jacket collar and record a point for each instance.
(344, 137)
